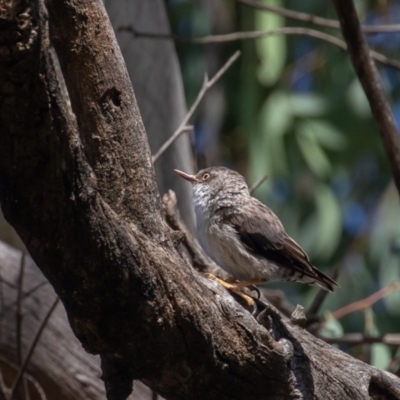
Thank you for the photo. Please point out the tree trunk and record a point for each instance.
(155, 74)
(59, 365)
(77, 183)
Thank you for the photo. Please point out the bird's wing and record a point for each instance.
(261, 231)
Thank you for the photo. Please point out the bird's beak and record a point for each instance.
(190, 178)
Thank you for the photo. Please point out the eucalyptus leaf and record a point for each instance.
(389, 273)
(357, 100)
(324, 133)
(380, 355)
(313, 153)
(330, 221)
(331, 328)
(308, 104)
(271, 50)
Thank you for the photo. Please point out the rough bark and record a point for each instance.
(76, 182)
(155, 74)
(59, 364)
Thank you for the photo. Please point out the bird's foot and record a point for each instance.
(234, 288)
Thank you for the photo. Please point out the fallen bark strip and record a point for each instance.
(76, 182)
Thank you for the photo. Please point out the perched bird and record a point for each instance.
(244, 236)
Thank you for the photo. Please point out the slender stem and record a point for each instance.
(367, 302)
(235, 36)
(32, 348)
(257, 184)
(315, 19)
(207, 84)
(24, 296)
(369, 77)
(18, 312)
(19, 320)
(359, 338)
(168, 143)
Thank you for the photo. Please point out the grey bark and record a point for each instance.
(78, 185)
(59, 364)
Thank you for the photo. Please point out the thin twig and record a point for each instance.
(370, 80)
(4, 390)
(207, 84)
(33, 346)
(321, 295)
(257, 184)
(315, 19)
(24, 296)
(18, 312)
(359, 338)
(171, 140)
(29, 377)
(18, 317)
(38, 387)
(235, 36)
(367, 302)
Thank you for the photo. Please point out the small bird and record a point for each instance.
(244, 236)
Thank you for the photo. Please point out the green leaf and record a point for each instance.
(330, 221)
(308, 105)
(380, 355)
(312, 152)
(389, 273)
(324, 133)
(275, 120)
(331, 327)
(271, 50)
(357, 100)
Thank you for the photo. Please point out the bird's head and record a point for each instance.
(215, 183)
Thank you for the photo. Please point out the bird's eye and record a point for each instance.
(206, 176)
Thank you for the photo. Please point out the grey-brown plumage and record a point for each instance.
(243, 235)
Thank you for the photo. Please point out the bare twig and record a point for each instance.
(24, 296)
(18, 312)
(171, 140)
(321, 295)
(359, 338)
(18, 316)
(315, 19)
(29, 377)
(235, 36)
(257, 184)
(32, 348)
(4, 390)
(370, 80)
(367, 302)
(207, 84)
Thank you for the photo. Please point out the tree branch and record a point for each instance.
(354, 339)
(367, 302)
(251, 35)
(369, 77)
(100, 237)
(207, 84)
(315, 19)
(32, 348)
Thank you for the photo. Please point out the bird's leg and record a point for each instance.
(233, 288)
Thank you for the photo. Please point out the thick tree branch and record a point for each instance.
(370, 81)
(77, 183)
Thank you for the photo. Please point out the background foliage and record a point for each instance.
(292, 108)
